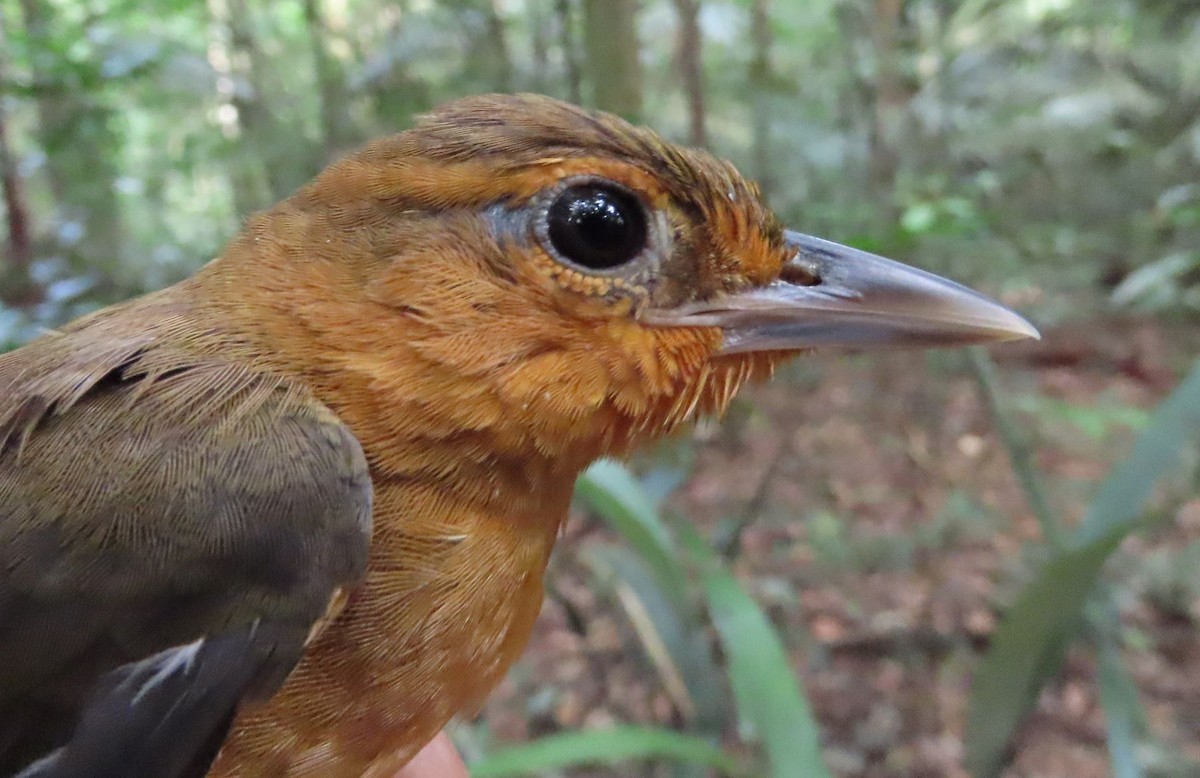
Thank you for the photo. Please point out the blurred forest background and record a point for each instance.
(935, 587)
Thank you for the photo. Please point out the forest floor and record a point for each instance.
(885, 533)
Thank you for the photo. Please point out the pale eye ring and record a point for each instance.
(594, 224)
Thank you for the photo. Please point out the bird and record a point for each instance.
(291, 514)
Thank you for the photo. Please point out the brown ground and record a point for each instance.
(885, 535)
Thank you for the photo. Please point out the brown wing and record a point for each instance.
(170, 531)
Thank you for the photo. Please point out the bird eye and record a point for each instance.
(597, 226)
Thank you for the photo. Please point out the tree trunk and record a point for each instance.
(566, 40)
(496, 43)
(263, 130)
(487, 64)
(245, 171)
(399, 92)
(875, 45)
(337, 132)
(540, 45)
(691, 68)
(760, 84)
(890, 99)
(17, 288)
(613, 56)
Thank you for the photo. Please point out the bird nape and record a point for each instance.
(290, 515)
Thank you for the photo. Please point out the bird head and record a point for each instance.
(528, 276)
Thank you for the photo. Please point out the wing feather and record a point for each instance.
(171, 531)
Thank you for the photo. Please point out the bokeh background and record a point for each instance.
(926, 564)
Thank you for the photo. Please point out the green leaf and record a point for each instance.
(601, 747)
(609, 489)
(1027, 648)
(1029, 644)
(1126, 490)
(768, 693)
(919, 218)
(674, 637)
(1123, 715)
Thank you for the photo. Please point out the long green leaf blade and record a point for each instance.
(1029, 644)
(609, 489)
(602, 747)
(1123, 496)
(768, 693)
(674, 637)
(1027, 649)
(1123, 715)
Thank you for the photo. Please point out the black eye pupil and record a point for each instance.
(596, 226)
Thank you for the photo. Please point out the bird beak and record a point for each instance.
(835, 296)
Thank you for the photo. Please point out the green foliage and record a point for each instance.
(612, 491)
(769, 699)
(1171, 282)
(671, 631)
(1029, 646)
(1097, 422)
(768, 694)
(1124, 494)
(1018, 144)
(604, 747)
(834, 542)
(1123, 714)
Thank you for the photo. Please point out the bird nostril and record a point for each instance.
(798, 275)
